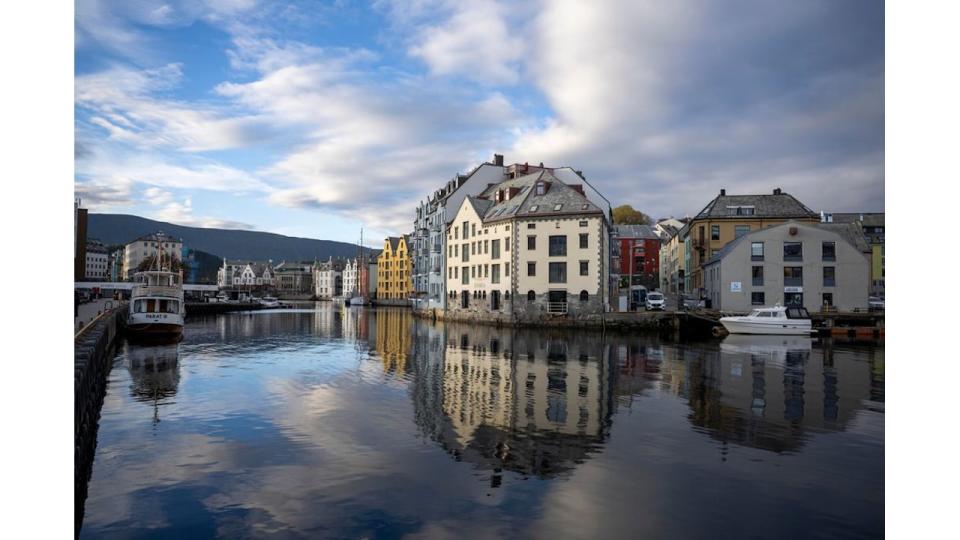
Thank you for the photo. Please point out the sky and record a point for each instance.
(317, 118)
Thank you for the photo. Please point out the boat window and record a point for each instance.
(163, 306)
(763, 314)
(138, 306)
(151, 305)
(173, 306)
(755, 313)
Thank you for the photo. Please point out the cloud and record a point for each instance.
(120, 100)
(181, 213)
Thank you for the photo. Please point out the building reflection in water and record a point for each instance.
(523, 401)
(394, 338)
(154, 373)
(790, 391)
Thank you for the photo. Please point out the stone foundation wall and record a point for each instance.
(92, 357)
(402, 302)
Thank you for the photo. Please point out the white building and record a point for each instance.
(97, 266)
(328, 279)
(150, 245)
(529, 248)
(429, 241)
(245, 274)
(350, 281)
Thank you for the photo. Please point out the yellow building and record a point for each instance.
(393, 269)
(728, 217)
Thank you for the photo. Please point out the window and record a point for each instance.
(466, 229)
(465, 275)
(828, 299)
(714, 232)
(506, 269)
(583, 223)
(584, 239)
(793, 276)
(466, 254)
(557, 207)
(792, 251)
(558, 272)
(506, 244)
(495, 249)
(584, 268)
(486, 246)
(740, 230)
(558, 246)
(531, 296)
(531, 242)
(758, 276)
(473, 248)
(495, 274)
(473, 271)
(756, 298)
(534, 208)
(829, 251)
(829, 276)
(473, 229)
(584, 296)
(531, 225)
(756, 251)
(541, 189)
(486, 270)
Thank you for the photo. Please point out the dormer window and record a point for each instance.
(534, 208)
(541, 188)
(557, 207)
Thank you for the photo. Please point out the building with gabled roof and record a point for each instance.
(394, 282)
(529, 248)
(728, 217)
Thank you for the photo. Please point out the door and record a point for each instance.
(495, 300)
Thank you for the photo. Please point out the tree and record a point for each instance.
(150, 263)
(626, 215)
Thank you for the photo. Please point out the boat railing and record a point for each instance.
(157, 290)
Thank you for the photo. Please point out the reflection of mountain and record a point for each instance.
(771, 394)
(154, 371)
(530, 402)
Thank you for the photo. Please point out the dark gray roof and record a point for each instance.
(850, 232)
(781, 205)
(558, 200)
(874, 219)
(480, 206)
(636, 231)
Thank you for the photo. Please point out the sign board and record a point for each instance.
(793, 289)
(736, 286)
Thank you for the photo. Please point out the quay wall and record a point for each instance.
(644, 322)
(92, 356)
(400, 302)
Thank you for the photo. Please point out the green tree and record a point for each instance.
(626, 215)
(150, 263)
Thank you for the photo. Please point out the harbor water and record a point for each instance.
(332, 422)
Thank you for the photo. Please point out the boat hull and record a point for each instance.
(781, 328)
(155, 324)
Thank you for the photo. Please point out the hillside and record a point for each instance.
(232, 244)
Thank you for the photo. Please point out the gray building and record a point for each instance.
(813, 264)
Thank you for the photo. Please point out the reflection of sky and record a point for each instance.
(307, 435)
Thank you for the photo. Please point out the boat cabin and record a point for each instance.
(793, 312)
(159, 279)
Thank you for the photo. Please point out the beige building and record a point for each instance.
(808, 264)
(148, 246)
(529, 248)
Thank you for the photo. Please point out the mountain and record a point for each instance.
(232, 244)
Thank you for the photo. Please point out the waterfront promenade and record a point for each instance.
(86, 313)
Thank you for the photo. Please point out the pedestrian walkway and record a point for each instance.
(91, 310)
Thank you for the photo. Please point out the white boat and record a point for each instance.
(156, 304)
(359, 301)
(778, 320)
(269, 302)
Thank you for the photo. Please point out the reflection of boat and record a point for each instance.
(269, 302)
(154, 371)
(773, 349)
(775, 320)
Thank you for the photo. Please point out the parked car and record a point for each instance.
(654, 300)
(692, 303)
(875, 303)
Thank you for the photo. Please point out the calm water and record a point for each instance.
(373, 424)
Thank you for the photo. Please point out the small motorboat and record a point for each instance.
(269, 302)
(779, 320)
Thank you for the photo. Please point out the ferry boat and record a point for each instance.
(156, 304)
(780, 320)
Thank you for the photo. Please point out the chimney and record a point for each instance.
(498, 160)
(777, 191)
(723, 192)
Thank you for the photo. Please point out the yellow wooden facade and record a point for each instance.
(393, 269)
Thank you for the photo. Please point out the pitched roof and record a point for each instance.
(480, 206)
(778, 204)
(394, 242)
(559, 199)
(636, 231)
(874, 219)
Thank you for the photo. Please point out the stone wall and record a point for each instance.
(402, 302)
(92, 356)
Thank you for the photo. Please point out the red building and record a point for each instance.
(639, 255)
